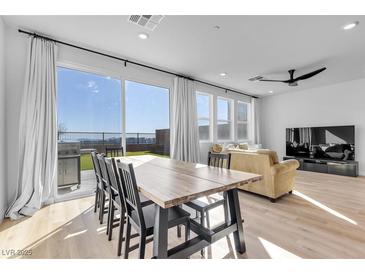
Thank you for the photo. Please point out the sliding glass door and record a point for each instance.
(94, 114)
(89, 119)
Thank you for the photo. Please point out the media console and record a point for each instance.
(345, 168)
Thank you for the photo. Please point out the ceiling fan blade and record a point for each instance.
(309, 75)
(267, 80)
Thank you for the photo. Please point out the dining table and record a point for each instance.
(169, 183)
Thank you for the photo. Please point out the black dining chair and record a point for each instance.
(102, 193)
(106, 193)
(203, 207)
(116, 200)
(142, 219)
(221, 160)
(98, 178)
(114, 151)
(116, 203)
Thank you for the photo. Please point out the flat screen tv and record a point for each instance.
(334, 142)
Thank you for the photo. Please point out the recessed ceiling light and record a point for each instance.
(271, 91)
(143, 36)
(223, 74)
(351, 25)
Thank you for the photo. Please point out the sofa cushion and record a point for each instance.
(272, 155)
(229, 146)
(237, 150)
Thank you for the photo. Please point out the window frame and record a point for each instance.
(209, 118)
(241, 122)
(230, 121)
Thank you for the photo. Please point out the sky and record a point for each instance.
(147, 107)
(202, 102)
(90, 102)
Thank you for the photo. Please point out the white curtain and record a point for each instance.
(37, 130)
(255, 111)
(184, 127)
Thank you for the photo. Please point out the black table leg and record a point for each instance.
(235, 215)
(160, 233)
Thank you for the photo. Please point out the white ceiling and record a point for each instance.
(244, 46)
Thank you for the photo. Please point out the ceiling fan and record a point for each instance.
(292, 81)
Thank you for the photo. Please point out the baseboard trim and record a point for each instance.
(2, 214)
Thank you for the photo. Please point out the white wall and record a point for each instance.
(340, 104)
(16, 48)
(3, 187)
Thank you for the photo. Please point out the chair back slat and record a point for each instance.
(96, 167)
(219, 160)
(130, 191)
(114, 151)
(112, 174)
(103, 172)
(114, 180)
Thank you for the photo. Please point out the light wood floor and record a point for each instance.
(323, 218)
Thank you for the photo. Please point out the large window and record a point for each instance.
(242, 120)
(224, 119)
(147, 119)
(203, 112)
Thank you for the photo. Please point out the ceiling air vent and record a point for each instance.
(146, 21)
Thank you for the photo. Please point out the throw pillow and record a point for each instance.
(217, 148)
(243, 146)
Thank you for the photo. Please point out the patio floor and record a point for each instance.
(87, 186)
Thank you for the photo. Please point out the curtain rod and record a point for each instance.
(131, 62)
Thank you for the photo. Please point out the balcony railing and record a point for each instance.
(106, 138)
(136, 143)
(140, 138)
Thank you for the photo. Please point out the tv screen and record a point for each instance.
(336, 142)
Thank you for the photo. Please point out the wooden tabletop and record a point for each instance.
(169, 182)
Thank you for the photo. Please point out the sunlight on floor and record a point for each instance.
(138, 160)
(199, 165)
(223, 248)
(276, 252)
(103, 228)
(326, 208)
(75, 234)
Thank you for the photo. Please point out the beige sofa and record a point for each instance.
(278, 177)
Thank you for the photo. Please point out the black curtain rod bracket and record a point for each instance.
(132, 62)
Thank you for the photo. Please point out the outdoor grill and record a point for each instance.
(69, 171)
